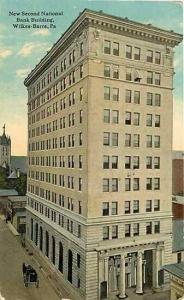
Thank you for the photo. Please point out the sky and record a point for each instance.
(22, 49)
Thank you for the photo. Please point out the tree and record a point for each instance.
(21, 184)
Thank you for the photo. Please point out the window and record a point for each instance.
(114, 231)
(127, 184)
(105, 185)
(114, 184)
(149, 162)
(157, 57)
(149, 120)
(105, 162)
(127, 162)
(157, 120)
(114, 208)
(149, 99)
(149, 56)
(156, 183)
(128, 51)
(137, 53)
(157, 141)
(137, 97)
(106, 116)
(107, 47)
(105, 232)
(80, 161)
(80, 139)
(149, 141)
(115, 116)
(80, 184)
(106, 92)
(107, 72)
(128, 96)
(135, 184)
(135, 206)
(127, 118)
(157, 78)
(178, 257)
(80, 116)
(156, 162)
(135, 162)
(116, 49)
(114, 162)
(81, 93)
(136, 229)
(105, 208)
(116, 72)
(136, 140)
(81, 71)
(149, 77)
(148, 205)
(114, 139)
(136, 119)
(127, 207)
(78, 260)
(148, 228)
(157, 226)
(106, 139)
(157, 99)
(128, 74)
(115, 94)
(81, 49)
(149, 183)
(156, 205)
(127, 140)
(79, 231)
(127, 230)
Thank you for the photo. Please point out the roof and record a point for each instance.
(13, 175)
(8, 192)
(19, 162)
(164, 36)
(18, 198)
(175, 269)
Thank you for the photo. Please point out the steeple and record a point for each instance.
(4, 130)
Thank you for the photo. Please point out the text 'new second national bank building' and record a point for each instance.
(100, 161)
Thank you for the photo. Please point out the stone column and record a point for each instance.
(106, 272)
(122, 294)
(156, 266)
(112, 276)
(139, 285)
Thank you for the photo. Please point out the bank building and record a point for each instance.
(100, 155)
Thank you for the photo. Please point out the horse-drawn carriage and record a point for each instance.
(30, 275)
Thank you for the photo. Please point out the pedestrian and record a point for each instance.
(24, 268)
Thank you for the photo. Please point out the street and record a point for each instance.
(12, 255)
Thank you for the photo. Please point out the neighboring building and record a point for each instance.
(178, 173)
(16, 212)
(4, 194)
(5, 150)
(19, 163)
(178, 229)
(100, 155)
(176, 272)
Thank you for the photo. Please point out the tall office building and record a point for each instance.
(100, 159)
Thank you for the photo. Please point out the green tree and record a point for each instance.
(21, 184)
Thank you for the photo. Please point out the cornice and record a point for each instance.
(122, 26)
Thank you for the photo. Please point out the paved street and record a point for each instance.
(12, 255)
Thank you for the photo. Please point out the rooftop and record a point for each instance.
(18, 199)
(175, 269)
(8, 192)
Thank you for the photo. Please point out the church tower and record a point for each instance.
(5, 149)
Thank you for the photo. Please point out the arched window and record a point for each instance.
(53, 250)
(70, 265)
(60, 264)
(47, 244)
(41, 238)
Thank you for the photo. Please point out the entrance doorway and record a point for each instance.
(148, 256)
(103, 290)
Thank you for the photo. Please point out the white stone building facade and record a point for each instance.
(100, 161)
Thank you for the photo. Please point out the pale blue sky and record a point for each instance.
(21, 50)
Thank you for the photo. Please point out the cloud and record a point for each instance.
(29, 48)
(4, 53)
(22, 73)
(42, 32)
